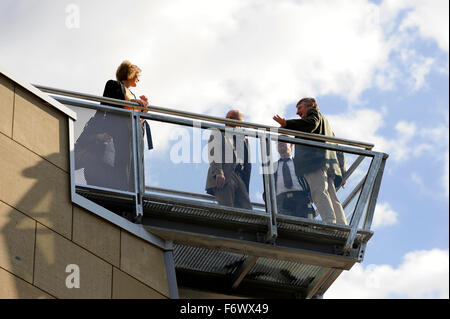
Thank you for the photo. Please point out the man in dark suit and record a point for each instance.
(293, 193)
(322, 168)
(228, 176)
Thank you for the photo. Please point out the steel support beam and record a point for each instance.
(243, 270)
(137, 165)
(269, 186)
(374, 195)
(351, 169)
(363, 198)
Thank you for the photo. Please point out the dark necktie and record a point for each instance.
(286, 173)
(234, 148)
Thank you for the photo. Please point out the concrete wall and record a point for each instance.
(42, 232)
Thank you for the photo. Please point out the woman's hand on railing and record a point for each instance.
(138, 101)
(144, 99)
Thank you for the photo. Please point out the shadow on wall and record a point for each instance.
(29, 247)
(36, 237)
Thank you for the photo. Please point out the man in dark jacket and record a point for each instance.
(322, 168)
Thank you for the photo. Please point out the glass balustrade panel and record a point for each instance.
(186, 161)
(332, 180)
(104, 154)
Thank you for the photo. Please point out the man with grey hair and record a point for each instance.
(322, 168)
(229, 171)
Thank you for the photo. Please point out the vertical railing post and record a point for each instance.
(269, 185)
(72, 157)
(138, 162)
(372, 204)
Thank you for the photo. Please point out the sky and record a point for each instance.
(378, 69)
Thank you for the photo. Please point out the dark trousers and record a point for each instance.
(233, 193)
(295, 204)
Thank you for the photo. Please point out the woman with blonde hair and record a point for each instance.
(127, 76)
(111, 135)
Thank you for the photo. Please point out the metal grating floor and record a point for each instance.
(214, 270)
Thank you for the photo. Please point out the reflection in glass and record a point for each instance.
(336, 176)
(293, 195)
(181, 161)
(104, 150)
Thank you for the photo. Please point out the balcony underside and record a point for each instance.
(225, 250)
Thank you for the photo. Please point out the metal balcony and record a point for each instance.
(256, 253)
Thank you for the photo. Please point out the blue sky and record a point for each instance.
(379, 70)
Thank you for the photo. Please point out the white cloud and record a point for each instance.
(208, 56)
(423, 274)
(401, 146)
(408, 130)
(205, 56)
(418, 67)
(419, 71)
(430, 17)
(363, 123)
(404, 22)
(384, 215)
(367, 124)
(408, 141)
(261, 57)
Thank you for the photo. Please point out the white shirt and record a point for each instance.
(280, 181)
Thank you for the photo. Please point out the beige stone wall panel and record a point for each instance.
(127, 287)
(6, 106)
(144, 262)
(96, 235)
(15, 288)
(35, 187)
(54, 253)
(17, 236)
(41, 128)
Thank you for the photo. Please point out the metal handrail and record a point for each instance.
(371, 181)
(203, 117)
